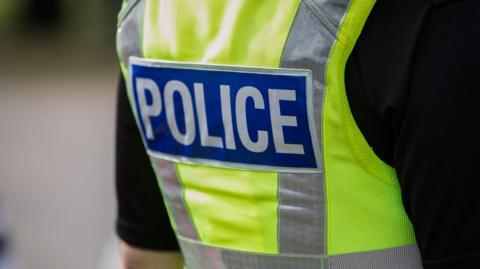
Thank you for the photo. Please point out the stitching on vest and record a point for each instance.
(320, 14)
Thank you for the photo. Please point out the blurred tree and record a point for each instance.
(9, 11)
(44, 14)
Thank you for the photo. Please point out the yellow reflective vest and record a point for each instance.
(249, 196)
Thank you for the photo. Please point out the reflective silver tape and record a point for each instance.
(321, 16)
(407, 257)
(127, 6)
(302, 210)
(173, 192)
(301, 214)
(333, 10)
(129, 39)
(198, 256)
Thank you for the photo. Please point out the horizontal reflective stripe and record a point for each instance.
(407, 257)
(199, 256)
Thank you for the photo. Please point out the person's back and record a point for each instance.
(253, 134)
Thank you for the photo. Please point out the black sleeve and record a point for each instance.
(413, 87)
(142, 220)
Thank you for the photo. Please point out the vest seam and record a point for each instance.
(141, 34)
(363, 157)
(324, 136)
(321, 16)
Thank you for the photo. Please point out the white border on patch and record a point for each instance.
(239, 69)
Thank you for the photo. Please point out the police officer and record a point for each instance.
(299, 134)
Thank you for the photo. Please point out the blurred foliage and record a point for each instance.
(9, 13)
(90, 21)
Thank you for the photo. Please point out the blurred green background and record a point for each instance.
(58, 76)
(84, 20)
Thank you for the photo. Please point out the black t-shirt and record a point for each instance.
(413, 90)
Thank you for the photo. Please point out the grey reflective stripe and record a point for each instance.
(200, 256)
(407, 257)
(129, 39)
(301, 214)
(302, 211)
(333, 10)
(129, 42)
(173, 192)
(321, 16)
(127, 6)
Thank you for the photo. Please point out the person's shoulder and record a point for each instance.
(444, 2)
(415, 5)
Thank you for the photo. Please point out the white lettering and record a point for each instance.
(279, 121)
(172, 87)
(240, 108)
(205, 139)
(148, 110)
(227, 116)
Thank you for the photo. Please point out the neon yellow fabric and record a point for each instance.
(364, 206)
(230, 208)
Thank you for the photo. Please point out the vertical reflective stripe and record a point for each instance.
(127, 6)
(174, 194)
(129, 43)
(302, 212)
(129, 37)
(129, 32)
(407, 257)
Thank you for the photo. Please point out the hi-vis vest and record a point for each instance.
(243, 112)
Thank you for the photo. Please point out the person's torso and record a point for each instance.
(243, 112)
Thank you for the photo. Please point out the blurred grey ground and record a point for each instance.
(57, 118)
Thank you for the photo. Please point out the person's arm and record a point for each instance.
(137, 258)
(418, 107)
(437, 145)
(143, 226)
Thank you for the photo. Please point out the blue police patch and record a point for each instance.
(226, 116)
